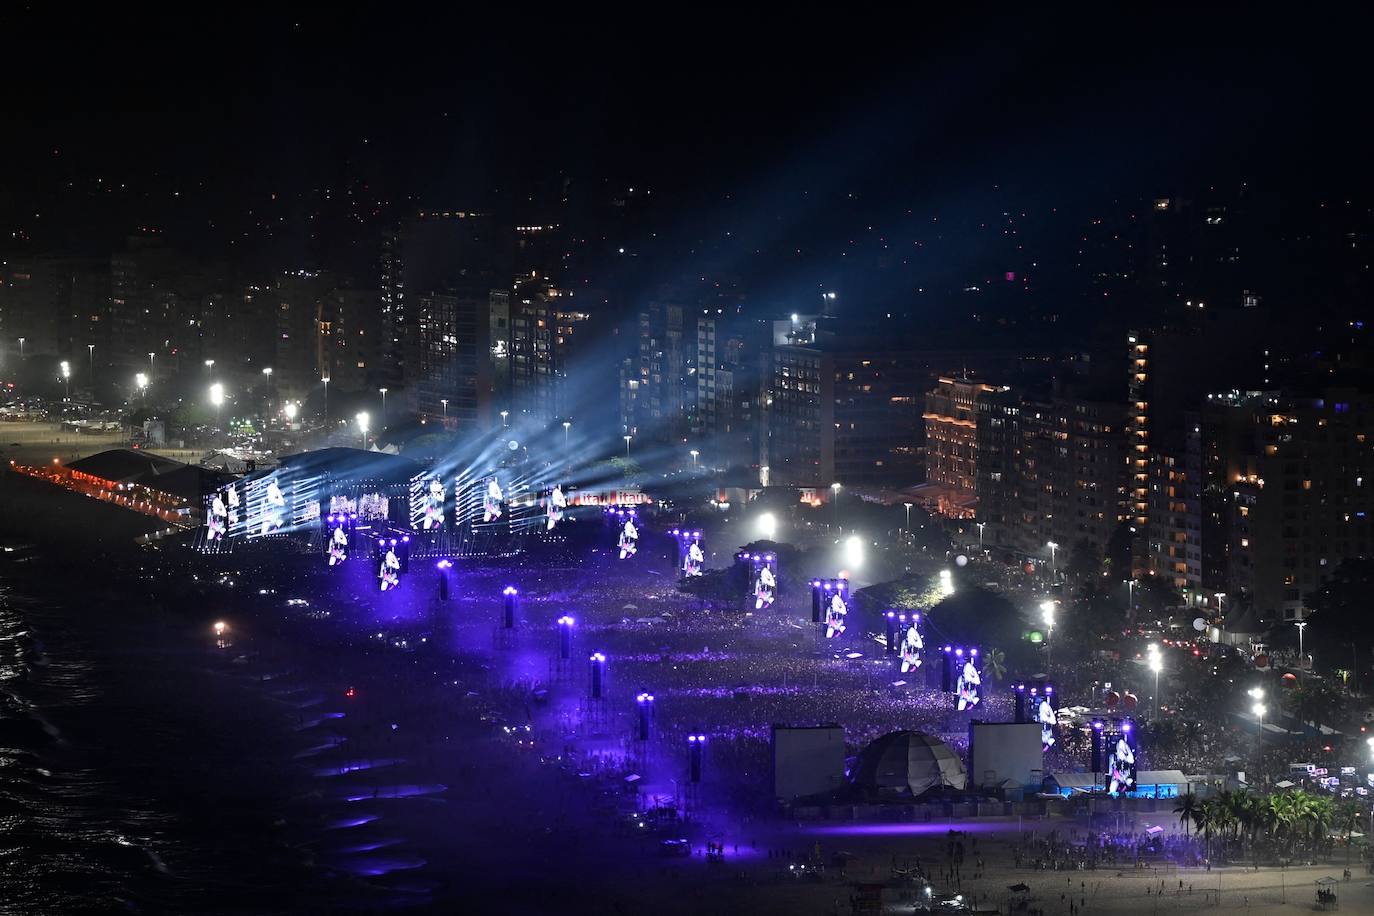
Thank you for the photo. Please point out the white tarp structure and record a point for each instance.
(909, 763)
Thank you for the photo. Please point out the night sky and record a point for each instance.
(759, 135)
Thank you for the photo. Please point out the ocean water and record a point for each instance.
(139, 776)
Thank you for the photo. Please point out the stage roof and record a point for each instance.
(343, 465)
(122, 465)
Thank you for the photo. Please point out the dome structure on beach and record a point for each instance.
(908, 763)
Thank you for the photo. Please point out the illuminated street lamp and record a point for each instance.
(835, 498)
(152, 368)
(444, 403)
(141, 383)
(1301, 625)
(289, 408)
(217, 398)
(21, 348)
(1047, 615)
(1156, 665)
(980, 526)
(1053, 547)
(567, 425)
(363, 420)
(90, 351)
(382, 392)
(627, 445)
(694, 453)
(325, 381)
(67, 377)
(504, 414)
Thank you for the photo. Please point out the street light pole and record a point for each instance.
(325, 380)
(908, 517)
(1301, 625)
(567, 425)
(627, 445)
(981, 526)
(694, 453)
(90, 351)
(444, 402)
(835, 498)
(1047, 614)
(383, 393)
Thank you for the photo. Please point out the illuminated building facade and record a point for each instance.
(1175, 511)
(1049, 470)
(951, 427)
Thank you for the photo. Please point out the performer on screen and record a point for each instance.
(912, 644)
(338, 547)
(217, 518)
(1048, 720)
(629, 539)
(557, 503)
(691, 565)
(834, 616)
(491, 503)
(391, 570)
(275, 512)
(967, 687)
(434, 506)
(765, 587)
(1119, 766)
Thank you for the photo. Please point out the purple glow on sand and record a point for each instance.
(931, 829)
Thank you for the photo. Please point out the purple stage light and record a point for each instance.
(404, 540)
(443, 564)
(598, 657)
(509, 590)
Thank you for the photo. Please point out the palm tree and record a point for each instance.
(1245, 809)
(1347, 818)
(1187, 811)
(1321, 812)
(1203, 819)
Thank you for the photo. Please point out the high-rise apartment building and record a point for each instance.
(454, 378)
(951, 427)
(1287, 494)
